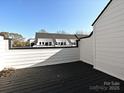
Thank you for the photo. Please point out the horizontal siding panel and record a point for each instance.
(109, 30)
(42, 63)
(19, 62)
(105, 49)
(38, 58)
(28, 58)
(29, 55)
(112, 40)
(110, 58)
(12, 52)
(86, 50)
(113, 46)
(112, 53)
(106, 67)
(24, 57)
(47, 52)
(115, 15)
(111, 33)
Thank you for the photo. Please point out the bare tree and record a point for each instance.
(43, 31)
(79, 32)
(61, 32)
(17, 39)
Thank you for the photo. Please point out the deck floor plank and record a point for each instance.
(76, 77)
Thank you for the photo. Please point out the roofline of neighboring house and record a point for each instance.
(102, 12)
(87, 36)
(76, 37)
(55, 33)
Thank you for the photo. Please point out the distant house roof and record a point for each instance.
(57, 36)
(2, 35)
(102, 12)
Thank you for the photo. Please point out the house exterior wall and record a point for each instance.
(73, 41)
(86, 50)
(109, 40)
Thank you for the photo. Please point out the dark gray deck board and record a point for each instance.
(74, 77)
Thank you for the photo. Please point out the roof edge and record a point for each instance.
(87, 36)
(56, 33)
(77, 37)
(102, 12)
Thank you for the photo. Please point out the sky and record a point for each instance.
(29, 16)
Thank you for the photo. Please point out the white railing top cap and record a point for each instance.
(1, 37)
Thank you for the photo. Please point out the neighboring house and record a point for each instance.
(31, 41)
(55, 40)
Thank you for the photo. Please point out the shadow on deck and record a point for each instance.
(77, 77)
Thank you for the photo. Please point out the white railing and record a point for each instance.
(23, 58)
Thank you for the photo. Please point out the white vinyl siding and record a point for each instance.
(109, 40)
(86, 50)
(23, 58)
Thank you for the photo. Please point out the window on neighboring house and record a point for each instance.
(61, 43)
(39, 43)
(42, 43)
(46, 43)
(74, 43)
(58, 43)
(64, 43)
(50, 43)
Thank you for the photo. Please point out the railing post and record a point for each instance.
(9, 43)
(3, 50)
(1, 53)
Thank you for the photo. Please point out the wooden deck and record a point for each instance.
(76, 77)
